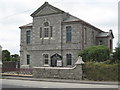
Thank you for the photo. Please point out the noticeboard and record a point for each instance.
(59, 63)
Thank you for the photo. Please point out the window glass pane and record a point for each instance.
(100, 42)
(46, 61)
(46, 55)
(46, 32)
(68, 34)
(28, 59)
(93, 36)
(40, 32)
(45, 58)
(46, 24)
(28, 37)
(51, 31)
(85, 35)
(69, 59)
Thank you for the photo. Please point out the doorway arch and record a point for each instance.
(54, 59)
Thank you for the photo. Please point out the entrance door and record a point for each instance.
(54, 59)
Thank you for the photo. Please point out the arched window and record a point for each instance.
(46, 24)
(46, 29)
(46, 58)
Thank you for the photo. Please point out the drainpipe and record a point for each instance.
(61, 40)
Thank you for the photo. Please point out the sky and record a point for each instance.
(14, 13)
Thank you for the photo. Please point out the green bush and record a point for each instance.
(108, 62)
(100, 71)
(95, 53)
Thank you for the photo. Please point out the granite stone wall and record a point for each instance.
(58, 72)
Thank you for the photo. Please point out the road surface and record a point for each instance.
(9, 83)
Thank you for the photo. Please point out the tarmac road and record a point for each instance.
(10, 83)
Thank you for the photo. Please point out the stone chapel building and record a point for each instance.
(56, 37)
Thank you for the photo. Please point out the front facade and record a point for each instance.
(55, 37)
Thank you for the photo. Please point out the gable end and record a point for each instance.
(46, 4)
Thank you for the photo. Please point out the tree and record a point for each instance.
(5, 55)
(116, 54)
(118, 44)
(15, 57)
(95, 53)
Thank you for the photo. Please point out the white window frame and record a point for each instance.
(44, 59)
(49, 30)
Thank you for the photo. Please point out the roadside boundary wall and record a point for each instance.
(59, 72)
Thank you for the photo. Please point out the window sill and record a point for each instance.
(47, 38)
(28, 43)
(46, 65)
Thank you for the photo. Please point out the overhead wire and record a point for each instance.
(14, 14)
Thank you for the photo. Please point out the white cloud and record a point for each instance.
(14, 13)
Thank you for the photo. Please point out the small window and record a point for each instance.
(100, 42)
(28, 37)
(69, 59)
(51, 31)
(45, 58)
(68, 34)
(40, 32)
(93, 36)
(28, 59)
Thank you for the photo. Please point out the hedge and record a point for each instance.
(100, 71)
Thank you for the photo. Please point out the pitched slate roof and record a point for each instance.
(71, 18)
(105, 34)
(27, 25)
